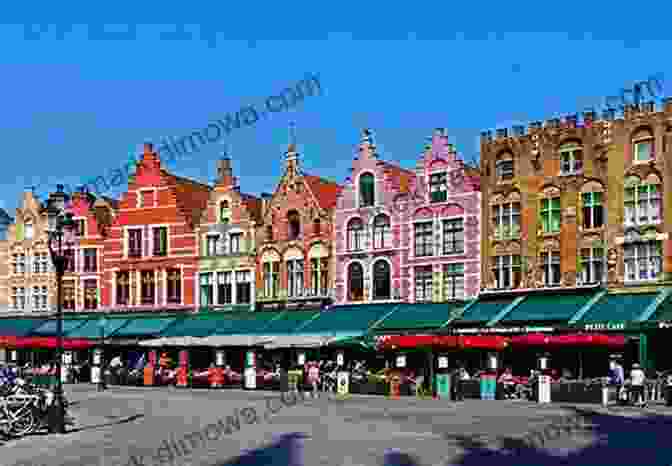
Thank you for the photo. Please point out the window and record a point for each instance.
(90, 260)
(269, 233)
(319, 272)
(294, 278)
(507, 271)
(235, 241)
(225, 220)
(68, 295)
(206, 290)
(15, 262)
(382, 280)
(642, 144)
(224, 288)
(294, 225)
(550, 261)
(44, 298)
(453, 281)
(438, 187)
(123, 288)
(160, 241)
(69, 260)
(592, 265)
(593, 212)
(423, 284)
(28, 231)
(147, 287)
(211, 245)
(21, 263)
(316, 226)
(550, 215)
(366, 190)
(453, 236)
(174, 286)
(80, 226)
(355, 235)
(271, 279)
(36, 297)
(642, 261)
(355, 282)
(135, 243)
(243, 287)
(424, 246)
(504, 168)
(642, 204)
(20, 298)
(571, 159)
(223, 211)
(382, 232)
(44, 261)
(36, 263)
(90, 294)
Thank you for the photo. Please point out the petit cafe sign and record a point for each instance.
(607, 326)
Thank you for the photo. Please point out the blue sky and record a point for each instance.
(79, 98)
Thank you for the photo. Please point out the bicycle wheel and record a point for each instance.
(24, 424)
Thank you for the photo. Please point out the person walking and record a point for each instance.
(637, 379)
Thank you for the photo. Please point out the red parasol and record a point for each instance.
(391, 342)
(50, 342)
(487, 342)
(574, 339)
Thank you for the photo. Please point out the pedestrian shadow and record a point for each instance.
(617, 441)
(286, 451)
(114, 421)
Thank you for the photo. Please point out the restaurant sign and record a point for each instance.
(664, 324)
(605, 326)
(505, 330)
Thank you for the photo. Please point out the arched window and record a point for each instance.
(642, 146)
(355, 235)
(223, 211)
(355, 282)
(382, 288)
(294, 224)
(366, 190)
(382, 232)
(504, 168)
(642, 201)
(317, 227)
(571, 158)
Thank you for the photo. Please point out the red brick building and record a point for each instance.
(83, 280)
(295, 258)
(151, 253)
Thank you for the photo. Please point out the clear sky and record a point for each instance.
(78, 98)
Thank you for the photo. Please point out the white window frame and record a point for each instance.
(387, 235)
(503, 221)
(649, 139)
(217, 238)
(569, 150)
(547, 263)
(416, 270)
(648, 261)
(500, 268)
(450, 277)
(442, 221)
(358, 187)
(648, 202)
(127, 241)
(588, 265)
(139, 203)
(85, 232)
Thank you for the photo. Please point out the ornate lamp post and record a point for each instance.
(60, 226)
(102, 322)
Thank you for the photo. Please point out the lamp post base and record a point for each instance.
(56, 414)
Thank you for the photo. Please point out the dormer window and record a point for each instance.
(642, 145)
(224, 211)
(366, 190)
(571, 159)
(294, 225)
(504, 167)
(438, 185)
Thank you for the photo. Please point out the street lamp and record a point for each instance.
(59, 227)
(101, 381)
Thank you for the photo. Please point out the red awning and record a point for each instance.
(576, 339)
(45, 342)
(391, 342)
(487, 342)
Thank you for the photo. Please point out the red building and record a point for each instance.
(83, 280)
(151, 253)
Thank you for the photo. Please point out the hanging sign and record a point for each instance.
(340, 359)
(12, 356)
(67, 357)
(97, 356)
(443, 362)
(543, 363)
(401, 360)
(605, 326)
(492, 361)
(219, 358)
(301, 359)
(250, 359)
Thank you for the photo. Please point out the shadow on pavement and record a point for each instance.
(286, 451)
(117, 421)
(618, 441)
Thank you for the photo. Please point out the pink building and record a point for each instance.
(367, 227)
(441, 238)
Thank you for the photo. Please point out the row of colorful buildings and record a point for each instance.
(569, 203)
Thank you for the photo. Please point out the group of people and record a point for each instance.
(631, 389)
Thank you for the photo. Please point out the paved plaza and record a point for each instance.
(142, 426)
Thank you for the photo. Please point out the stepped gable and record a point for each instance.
(191, 196)
(325, 191)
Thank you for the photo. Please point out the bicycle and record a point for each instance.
(18, 414)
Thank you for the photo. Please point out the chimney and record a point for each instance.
(518, 130)
(224, 172)
(502, 133)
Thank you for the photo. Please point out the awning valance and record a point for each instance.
(355, 319)
(488, 342)
(417, 316)
(45, 342)
(537, 339)
(144, 327)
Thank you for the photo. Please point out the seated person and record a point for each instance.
(509, 385)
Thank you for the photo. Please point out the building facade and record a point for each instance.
(295, 257)
(5, 222)
(83, 279)
(575, 203)
(227, 239)
(151, 252)
(368, 230)
(30, 280)
(441, 235)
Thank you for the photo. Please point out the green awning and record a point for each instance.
(91, 329)
(245, 323)
(483, 310)
(547, 307)
(144, 327)
(289, 322)
(613, 308)
(195, 326)
(417, 317)
(18, 327)
(353, 319)
(48, 328)
(663, 313)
